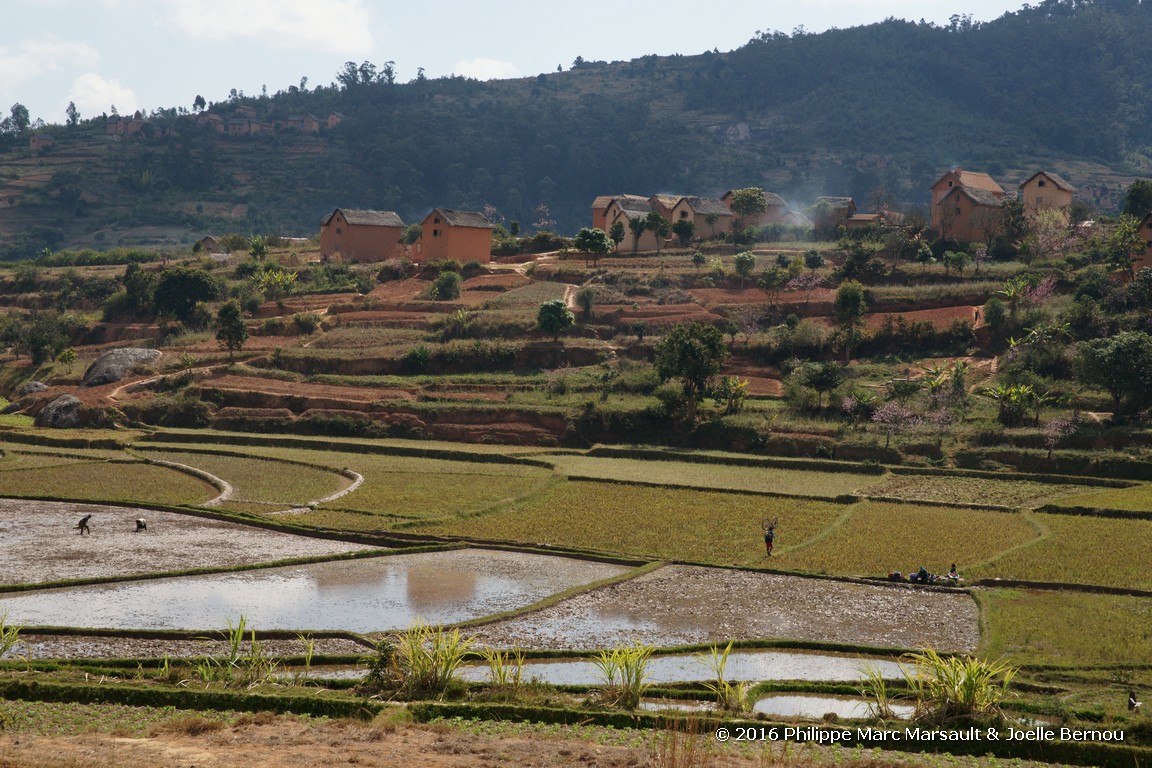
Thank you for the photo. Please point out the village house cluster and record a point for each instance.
(351, 235)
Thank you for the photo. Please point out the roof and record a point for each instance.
(462, 218)
(668, 201)
(973, 180)
(707, 205)
(866, 217)
(1059, 182)
(770, 197)
(367, 218)
(835, 202)
(978, 196)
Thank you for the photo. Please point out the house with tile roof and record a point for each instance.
(352, 235)
(630, 244)
(699, 210)
(958, 177)
(461, 236)
(605, 207)
(828, 214)
(1045, 191)
(969, 214)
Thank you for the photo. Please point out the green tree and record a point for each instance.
(616, 234)
(231, 333)
(73, 115)
(710, 219)
(274, 284)
(745, 264)
(20, 119)
(851, 306)
(636, 225)
(1138, 199)
(748, 202)
(684, 229)
(694, 354)
(554, 317)
(698, 260)
(1122, 243)
(1120, 365)
(180, 288)
(593, 243)
(658, 226)
(823, 377)
(813, 259)
(198, 104)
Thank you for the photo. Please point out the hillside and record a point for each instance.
(875, 112)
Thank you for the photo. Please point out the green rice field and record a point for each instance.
(1034, 626)
(102, 481)
(876, 538)
(1138, 498)
(718, 476)
(700, 526)
(255, 479)
(1081, 550)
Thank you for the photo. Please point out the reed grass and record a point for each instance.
(730, 697)
(624, 672)
(957, 690)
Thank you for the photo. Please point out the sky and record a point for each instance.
(149, 54)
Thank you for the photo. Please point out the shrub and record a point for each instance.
(955, 690)
(446, 286)
(307, 322)
(624, 673)
(472, 269)
(416, 360)
(394, 269)
(427, 657)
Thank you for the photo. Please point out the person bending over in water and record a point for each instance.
(83, 525)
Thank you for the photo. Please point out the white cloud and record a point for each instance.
(486, 69)
(341, 26)
(95, 95)
(29, 59)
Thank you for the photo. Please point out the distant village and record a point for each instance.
(966, 207)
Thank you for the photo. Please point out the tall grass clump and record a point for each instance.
(624, 671)
(505, 670)
(683, 744)
(957, 690)
(729, 697)
(250, 667)
(874, 688)
(9, 635)
(427, 657)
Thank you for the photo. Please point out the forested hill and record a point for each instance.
(883, 108)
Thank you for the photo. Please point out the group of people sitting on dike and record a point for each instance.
(922, 576)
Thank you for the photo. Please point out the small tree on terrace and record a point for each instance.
(813, 259)
(744, 263)
(593, 243)
(258, 246)
(851, 306)
(694, 354)
(231, 333)
(1120, 365)
(555, 317)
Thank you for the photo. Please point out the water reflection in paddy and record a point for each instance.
(360, 595)
(815, 707)
(742, 665)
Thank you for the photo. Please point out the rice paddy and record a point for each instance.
(1033, 626)
(1081, 550)
(877, 538)
(1138, 498)
(719, 476)
(106, 481)
(257, 479)
(665, 523)
(972, 490)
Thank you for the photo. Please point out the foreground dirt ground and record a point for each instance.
(267, 741)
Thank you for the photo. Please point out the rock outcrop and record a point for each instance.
(116, 364)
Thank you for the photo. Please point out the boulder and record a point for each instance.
(116, 364)
(31, 388)
(61, 413)
(11, 408)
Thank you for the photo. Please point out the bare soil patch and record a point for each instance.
(38, 542)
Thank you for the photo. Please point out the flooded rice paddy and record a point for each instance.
(365, 595)
(750, 666)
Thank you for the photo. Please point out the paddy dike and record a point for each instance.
(682, 605)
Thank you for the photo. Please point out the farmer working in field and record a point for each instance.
(83, 525)
(769, 536)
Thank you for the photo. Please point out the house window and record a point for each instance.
(957, 211)
(338, 230)
(1040, 183)
(436, 220)
(435, 233)
(683, 214)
